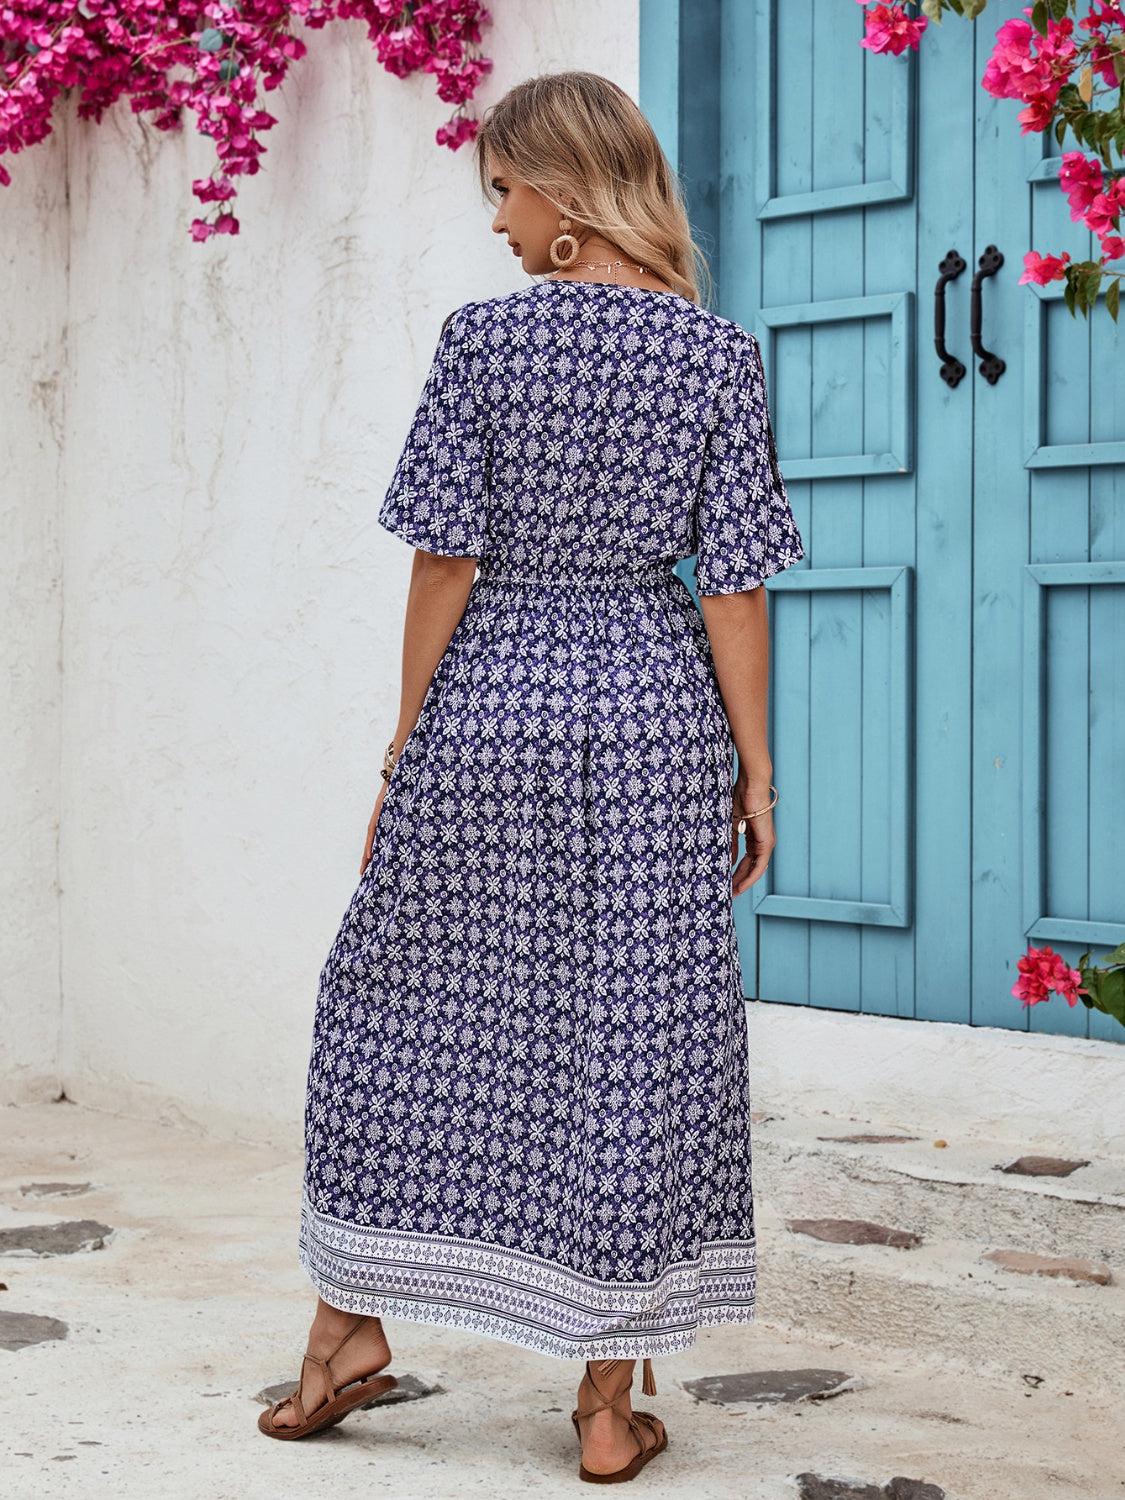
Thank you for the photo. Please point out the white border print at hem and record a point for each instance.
(521, 1298)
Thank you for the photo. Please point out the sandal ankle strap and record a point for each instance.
(648, 1385)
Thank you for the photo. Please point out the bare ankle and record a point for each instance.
(332, 1321)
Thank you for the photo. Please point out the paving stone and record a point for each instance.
(20, 1330)
(54, 1189)
(855, 1232)
(771, 1386)
(822, 1487)
(825, 1487)
(1043, 1166)
(1030, 1264)
(874, 1139)
(65, 1238)
(409, 1388)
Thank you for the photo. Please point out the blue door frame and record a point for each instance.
(948, 676)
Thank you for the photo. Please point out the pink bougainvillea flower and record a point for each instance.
(1041, 269)
(1037, 116)
(887, 28)
(1080, 178)
(1101, 214)
(1042, 971)
(1015, 71)
(1113, 248)
(213, 58)
(456, 131)
(403, 50)
(1012, 72)
(1102, 21)
(213, 190)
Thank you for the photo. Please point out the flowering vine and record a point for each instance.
(214, 58)
(1044, 972)
(1056, 74)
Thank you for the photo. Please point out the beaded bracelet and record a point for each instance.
(388, 761)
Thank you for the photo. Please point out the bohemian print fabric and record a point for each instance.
(528, 1110)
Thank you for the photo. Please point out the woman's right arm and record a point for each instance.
(738, 629)
(439, 591)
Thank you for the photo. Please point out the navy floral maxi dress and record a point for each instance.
(528, 1108)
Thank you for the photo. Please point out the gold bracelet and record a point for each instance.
(740, 818)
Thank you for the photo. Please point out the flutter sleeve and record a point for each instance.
(745, 531)
(437, 499)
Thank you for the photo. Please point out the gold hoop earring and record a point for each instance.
(559, 259)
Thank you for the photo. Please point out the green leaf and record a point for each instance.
(1112, 298)
(973, 8)
(1039, 16)
(932, 10)
(1111, 994)
(1118, 954)
(1068, 293)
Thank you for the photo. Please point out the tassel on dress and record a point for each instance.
(648, 1384)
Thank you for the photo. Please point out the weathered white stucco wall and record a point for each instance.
(33, 293)
(232, 629)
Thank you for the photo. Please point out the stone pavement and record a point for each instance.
(137, 1347)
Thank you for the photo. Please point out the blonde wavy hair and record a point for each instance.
(578, 137)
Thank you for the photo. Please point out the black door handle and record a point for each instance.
(952, 370)
(991, 365)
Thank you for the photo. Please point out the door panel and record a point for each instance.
(1049, 591)
(819, 250)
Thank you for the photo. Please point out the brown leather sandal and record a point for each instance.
(642, 1424)
(342, 1399)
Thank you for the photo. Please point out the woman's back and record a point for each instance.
(583, 427)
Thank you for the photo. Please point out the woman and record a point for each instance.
(527, 1110)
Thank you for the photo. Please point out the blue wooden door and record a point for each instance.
(948, 673)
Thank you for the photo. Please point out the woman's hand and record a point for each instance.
(760, 837)
(371, 827)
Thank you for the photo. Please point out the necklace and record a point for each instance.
(593, 265)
